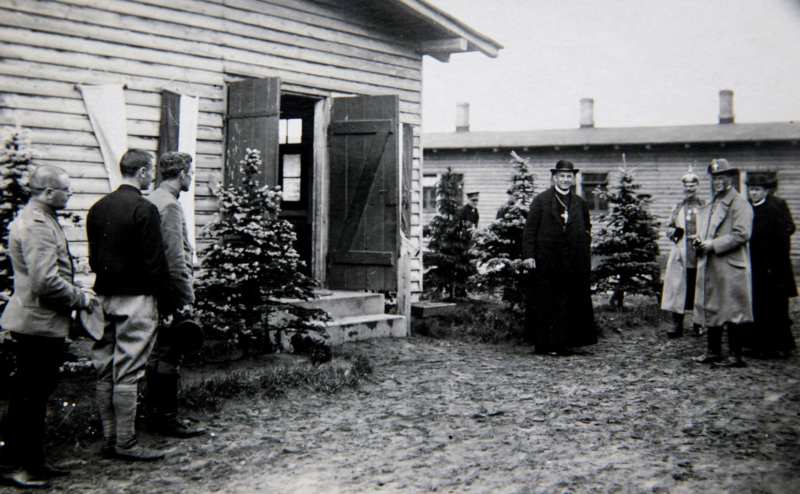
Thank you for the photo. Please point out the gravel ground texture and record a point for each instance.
(634, 414)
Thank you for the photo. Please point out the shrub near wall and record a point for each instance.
(251, 268)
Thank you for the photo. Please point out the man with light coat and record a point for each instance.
(723, 298)
(38, 317)
(681, 272)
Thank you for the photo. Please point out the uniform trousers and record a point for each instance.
(38, 360)
(120, 356)
(120, 359)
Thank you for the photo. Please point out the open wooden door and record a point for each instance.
(364, 212)
(252, 122)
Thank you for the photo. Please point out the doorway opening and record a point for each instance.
(295, 169)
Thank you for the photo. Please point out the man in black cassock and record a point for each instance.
(556, 244)
(773, 277)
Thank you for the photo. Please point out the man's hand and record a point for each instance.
(90, 300)
(703, 246)
(529, 263)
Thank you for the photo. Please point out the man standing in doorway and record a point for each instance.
(127, 255)
(38, 317)
(469, 213)
(176, 173)
(556, 244)
(724, 298)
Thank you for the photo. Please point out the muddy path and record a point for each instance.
(636, 415)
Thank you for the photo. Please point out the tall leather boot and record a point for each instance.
(165, 420)
(714, 349)
(104, 400)
(126, 448)
(735, 346)
(677, 326)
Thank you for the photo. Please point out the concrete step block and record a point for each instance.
(342, 330)
(342, 304)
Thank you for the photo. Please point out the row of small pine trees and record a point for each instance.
(624, 245)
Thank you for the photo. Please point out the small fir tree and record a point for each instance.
(447, 260)
(498, 247)
(251, 268)
(16, 163)
(626, 243)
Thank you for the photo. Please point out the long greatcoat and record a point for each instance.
(723, 293)
(673, 297)
(559, 313)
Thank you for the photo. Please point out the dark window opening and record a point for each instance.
(429, 193)
(594, 186)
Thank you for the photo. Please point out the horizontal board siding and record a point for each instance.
(192, 47)
(658, 171)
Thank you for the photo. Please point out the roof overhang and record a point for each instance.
(452, 35)
(430, 30)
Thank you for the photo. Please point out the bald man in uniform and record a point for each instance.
(38, 317)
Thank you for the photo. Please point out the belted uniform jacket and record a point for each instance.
(44, 288)
(723, 291)
(178, 250)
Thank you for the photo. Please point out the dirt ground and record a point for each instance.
(635, 415)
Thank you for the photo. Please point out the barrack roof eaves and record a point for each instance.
(609, 136)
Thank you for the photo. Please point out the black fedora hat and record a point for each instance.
(761, 180)
(564, 166)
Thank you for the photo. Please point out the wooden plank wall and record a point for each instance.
(192, 47)
(658, 170)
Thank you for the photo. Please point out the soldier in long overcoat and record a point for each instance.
(681, 271)
(556, 243)
(723, 298)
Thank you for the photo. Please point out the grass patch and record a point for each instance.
(639, 311)
(477, 321)
(341, 372)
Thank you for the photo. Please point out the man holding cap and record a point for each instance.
(176, 173)
(724, 298)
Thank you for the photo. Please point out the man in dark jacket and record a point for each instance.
(556, 244)
(469, 212)
(127, 255)
(773, 277)
(38, 317)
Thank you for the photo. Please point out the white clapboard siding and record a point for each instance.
(192, 47)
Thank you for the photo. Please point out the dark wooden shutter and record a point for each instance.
(170, 122)
(252, 122)
(364, 194)
(408, 165)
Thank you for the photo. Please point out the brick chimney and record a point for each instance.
(726, 106)
(587, 112)
(462, 117)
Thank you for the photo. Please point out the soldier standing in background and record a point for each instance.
(681, 271)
